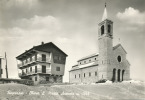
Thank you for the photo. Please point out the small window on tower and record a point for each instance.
(109, 28)
(102, 30)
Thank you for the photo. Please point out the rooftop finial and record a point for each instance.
(105, 13)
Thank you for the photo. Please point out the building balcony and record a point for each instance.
(29, 63)
(23, 74)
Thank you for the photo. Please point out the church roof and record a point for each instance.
(84, 66)
(119, 45)
(89, 56)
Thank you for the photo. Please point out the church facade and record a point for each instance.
(110, 63)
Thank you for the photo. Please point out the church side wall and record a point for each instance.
(87, 75)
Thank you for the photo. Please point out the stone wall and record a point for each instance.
(41, 79)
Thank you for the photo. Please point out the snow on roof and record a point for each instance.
(89, 56)
(86, 65)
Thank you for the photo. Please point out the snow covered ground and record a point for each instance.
(124, 90)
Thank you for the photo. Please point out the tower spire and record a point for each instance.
(105, 13)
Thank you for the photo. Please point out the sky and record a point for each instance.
(73, 26)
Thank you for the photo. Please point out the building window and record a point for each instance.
(89, 74)
(43, 69)
(95, 73)
(26, 60)
(80, 62)
(36, 78)
(22, 62)
(35, 69)
(84, 74)
(89, 60)
(43, 57)
(47, 78)
(31, 58)
(57, 57)
(26, 70)
(119, 58)
(57, 68)
(30, 69)
(95, 58)
(23, 73)
(75, 76)
(109, 28)
(35, 57)
(102, 30)
(79, 75)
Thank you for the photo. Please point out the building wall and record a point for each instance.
(55, 65)
(74, 75)
(41, 79)
(123, 65)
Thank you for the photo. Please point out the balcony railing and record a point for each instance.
(33, 72)
(39, 59)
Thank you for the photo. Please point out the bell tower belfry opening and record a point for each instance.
(105, 41)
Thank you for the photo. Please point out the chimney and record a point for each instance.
(42, 43)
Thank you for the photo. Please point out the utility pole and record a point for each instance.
(6, 65)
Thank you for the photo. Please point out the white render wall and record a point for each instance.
(87, 78)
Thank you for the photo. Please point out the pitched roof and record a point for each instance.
(40, 48)
(77, 67)
(89, 56)
(119, 45)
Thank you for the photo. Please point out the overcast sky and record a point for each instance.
(73, 26)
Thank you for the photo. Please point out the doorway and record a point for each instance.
(118, 75)
(114, 75)
(123, 74)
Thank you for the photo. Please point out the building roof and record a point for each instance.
(84, 66)
(89, 56)
(41, 48)
(119, 45)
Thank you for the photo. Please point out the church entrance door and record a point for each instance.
(123, 74)
(118, 75)
(114, 75)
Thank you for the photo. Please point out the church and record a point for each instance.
(110, 63)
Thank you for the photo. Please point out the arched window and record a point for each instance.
(109, 28)
(102, 30)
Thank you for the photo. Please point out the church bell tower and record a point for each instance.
(105, 41)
